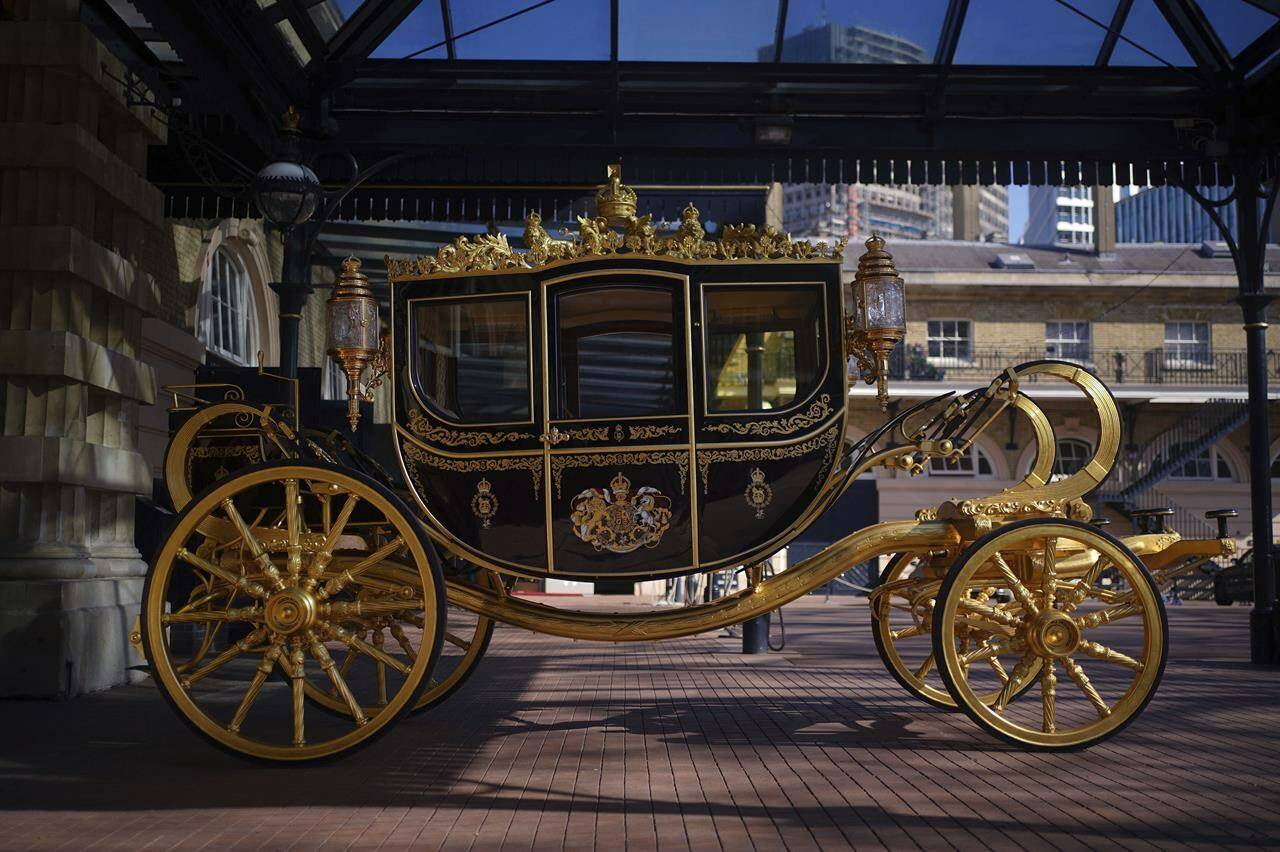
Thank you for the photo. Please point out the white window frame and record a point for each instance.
(1216, 460)
(1058, 454)
(975, 457)
(228, 321)
(1055, 339)
(943, 339)
(1174, 352)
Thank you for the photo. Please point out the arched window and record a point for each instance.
(227, 324)
(975, 463)
(1207, 464)
(1072, 455)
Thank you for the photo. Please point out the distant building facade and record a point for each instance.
(1059, 216)
(846, 44)
(829, 211)
(1167, 214)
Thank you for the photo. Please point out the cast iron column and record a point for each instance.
(293, 290)
(755, 632)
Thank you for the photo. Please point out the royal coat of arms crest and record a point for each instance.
(619, 520)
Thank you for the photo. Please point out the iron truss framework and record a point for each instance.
(482, 131)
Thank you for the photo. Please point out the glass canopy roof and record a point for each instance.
(960, 32)
(990, 32)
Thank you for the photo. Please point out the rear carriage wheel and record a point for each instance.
(298, 561)
(902, 625)
(1088, 630)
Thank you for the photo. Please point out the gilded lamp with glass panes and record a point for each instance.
(878, 321)
(352, 336)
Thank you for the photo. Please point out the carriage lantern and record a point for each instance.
(351, 337)
(878, 321)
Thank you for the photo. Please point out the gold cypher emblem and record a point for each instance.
(618, 520)
(758, 494)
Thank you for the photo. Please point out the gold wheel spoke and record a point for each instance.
(1015, 682)
(1085, 584)
(1108, 615)
(338, 583)
(1050, 569)
(244, 646)
(1109, 655)
(906, 632)
(321, 655)
(269, 660)
(249, 613)
(292, 510)
(403, 640)
(988, 650)
(924, 667)
(1076, 673)
(1020, 591)
(1048, 692)
(998, 668)
(369, 650)
(378, 640)
(237, 581)
(298, 678)
(334, 532)
(259, 552)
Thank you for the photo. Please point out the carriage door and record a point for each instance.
(617, 442)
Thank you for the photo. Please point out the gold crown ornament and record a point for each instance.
(615, 201)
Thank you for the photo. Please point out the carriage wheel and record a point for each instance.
(902, 624)
(302, 550)
(464, 643)
(1089, 631)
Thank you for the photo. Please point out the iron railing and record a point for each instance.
(1149, 366)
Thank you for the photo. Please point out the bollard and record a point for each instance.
(755, 635)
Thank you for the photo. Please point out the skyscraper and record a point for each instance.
(1059, 216)
(1166, 214)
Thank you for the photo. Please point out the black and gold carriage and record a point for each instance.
(625, 404)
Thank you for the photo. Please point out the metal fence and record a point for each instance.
(1150, 366)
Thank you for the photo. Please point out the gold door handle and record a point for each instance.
(555, 436)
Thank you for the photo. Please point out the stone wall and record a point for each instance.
(80, 232)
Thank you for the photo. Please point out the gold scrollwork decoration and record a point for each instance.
(421, 427)
(593, 433)
(679, 458)
(595, 238)
(251, 453)
(814, 414)
(648, 433)
(618, 519)
(826, 442)
(413, 453)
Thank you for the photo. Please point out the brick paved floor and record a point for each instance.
(687, 744)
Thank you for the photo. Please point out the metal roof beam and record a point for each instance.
(1112, 35)
(368, 27)
(446, 18)
(780, 31)
(1258, 51)
(1196, 35)
(1272, 6)
(950, 35)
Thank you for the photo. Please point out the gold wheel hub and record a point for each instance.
(1053, 634)
(291, 611)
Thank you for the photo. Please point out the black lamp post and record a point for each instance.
(290, 197)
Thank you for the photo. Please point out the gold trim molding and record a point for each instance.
(707, 457)
(815, 414)
(421, 427)
(418, 455)
(679, 458)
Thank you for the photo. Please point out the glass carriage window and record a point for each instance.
(617, 353)
(763, 346)
(472, 358)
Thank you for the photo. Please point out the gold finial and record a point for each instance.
(291, 120)
(350, 264)
(875, 262)
(615, 201)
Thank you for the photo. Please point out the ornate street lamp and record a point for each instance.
(286, 190)
(878, 321)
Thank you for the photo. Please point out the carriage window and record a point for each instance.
(473, 358)
(763, 346)
(617, 353)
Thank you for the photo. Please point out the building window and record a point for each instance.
(227, 326)
(1072, 455)
(975, 463)
(1186, 344)
(1068, 340)
(334, 385)
(950, 340)
(1207, 464)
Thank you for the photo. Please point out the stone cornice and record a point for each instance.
(66, 461)
(65, 355)
(62, 249)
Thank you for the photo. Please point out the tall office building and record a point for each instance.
(828, 211)
(1166, 214)
(1059, 216)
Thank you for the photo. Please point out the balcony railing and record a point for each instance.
(1137, 367)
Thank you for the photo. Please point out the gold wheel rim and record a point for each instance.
(891, 639)
(1048, 651)
(289, 614)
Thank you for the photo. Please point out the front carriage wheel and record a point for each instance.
(1081, 601)
(297, 562)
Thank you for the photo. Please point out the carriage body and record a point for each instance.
(621, 416)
